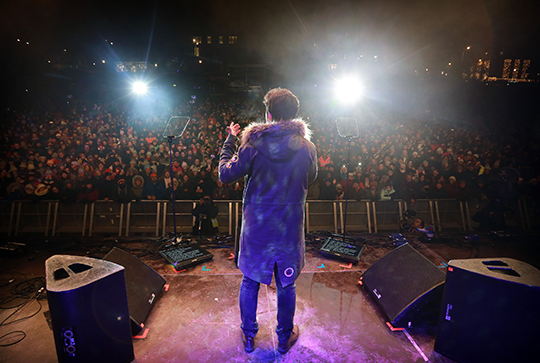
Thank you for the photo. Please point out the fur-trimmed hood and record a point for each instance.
(257, 129)
(277, 140)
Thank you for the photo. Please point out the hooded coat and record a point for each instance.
(278, 162)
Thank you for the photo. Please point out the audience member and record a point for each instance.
(53, 155)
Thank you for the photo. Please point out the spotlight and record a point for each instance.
(139, 88)
(349, 89)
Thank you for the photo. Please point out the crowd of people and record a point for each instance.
(113, 152)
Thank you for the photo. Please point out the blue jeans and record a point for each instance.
(286, 301)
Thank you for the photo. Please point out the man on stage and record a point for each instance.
(279, 162)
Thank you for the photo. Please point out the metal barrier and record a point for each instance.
(33, 217)
(516, 218)
(471, 208)
(155, 217)
(321, 215)
(531, 211)
(449, 213)
(228, 215)
(143, 217)
(387, 214)
(184, 218)
(106, 217)
(237, 219)
(358, 215)
(70, 218)
(425, 208)
(7, 215)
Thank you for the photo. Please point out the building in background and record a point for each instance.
(515, 70)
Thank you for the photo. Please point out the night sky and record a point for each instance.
(426, 30)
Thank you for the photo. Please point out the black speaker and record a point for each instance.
(144, 286)
(490, 311)
(89, 310)
(407, 286)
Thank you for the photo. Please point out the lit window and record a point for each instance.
(233, 39)
(220, 39)
(196, 52)
(209, 39)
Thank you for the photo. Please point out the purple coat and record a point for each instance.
(279, 162)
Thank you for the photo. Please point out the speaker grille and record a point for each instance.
(144, 286)
(402, 279)
(490, 311)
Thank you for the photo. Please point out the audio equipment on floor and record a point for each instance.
(407, 286)
(89, 310)
(490, 311)
(144, 286)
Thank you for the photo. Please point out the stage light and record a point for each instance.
(349, 89)
(139, 88)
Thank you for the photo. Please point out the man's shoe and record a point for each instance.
(249, 343)
(284, 347)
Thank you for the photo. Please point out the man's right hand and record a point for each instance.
(233, 129)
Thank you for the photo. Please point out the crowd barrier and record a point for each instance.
(156, 218)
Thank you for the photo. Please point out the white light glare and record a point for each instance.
(349, 89)
(139, 88)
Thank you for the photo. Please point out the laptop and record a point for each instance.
(182, 256)
(345, 250)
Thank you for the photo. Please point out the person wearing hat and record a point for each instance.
(106, 186)
(89, 193)
(451, 187)
(29, 190)
(137, 188)
(373, 192)
(41, 192)
(122, 193)
(14, 191)
(155, 190)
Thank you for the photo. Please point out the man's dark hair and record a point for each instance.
(281, 103)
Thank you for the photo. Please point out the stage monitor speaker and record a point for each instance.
(490, 311)
(89, 310)
(144, 286)
(407, 286)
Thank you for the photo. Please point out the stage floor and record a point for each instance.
(197, 319)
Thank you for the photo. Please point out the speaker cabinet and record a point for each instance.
(144, 286)
(89, 310)
(490, 311)
(407, 286)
